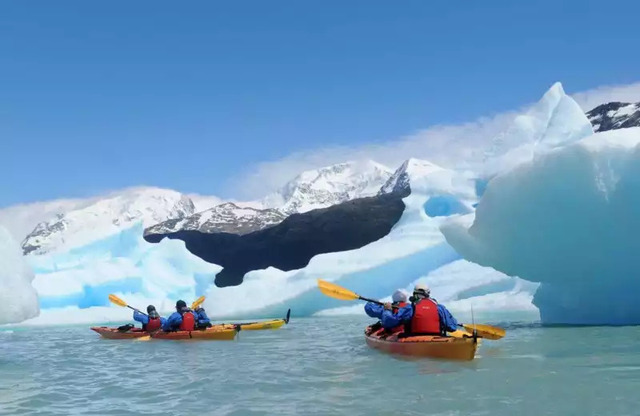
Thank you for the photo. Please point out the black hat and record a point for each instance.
(181, 304)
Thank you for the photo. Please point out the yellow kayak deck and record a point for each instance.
(259, 326)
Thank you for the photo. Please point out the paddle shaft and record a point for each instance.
(377, 302)
(131, 307)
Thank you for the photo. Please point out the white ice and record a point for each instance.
(18, 299)
(566, 218)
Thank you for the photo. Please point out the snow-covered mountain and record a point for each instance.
(312, 189)
(20, 219)
(204, 202)
(224, 218)
(321, 188)
(410, 170)
(615, 115)
(105, 216)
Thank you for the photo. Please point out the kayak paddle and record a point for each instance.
(197, 302)
(120, 302)
(485, 331)
(338, 292)
(144, 338)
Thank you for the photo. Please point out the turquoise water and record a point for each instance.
(318, 366)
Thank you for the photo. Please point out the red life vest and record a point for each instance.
(153, 325)
(425, 317)
(188, 322)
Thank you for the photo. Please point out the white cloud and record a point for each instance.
(445, 145)
(460, 145)
(607, 93)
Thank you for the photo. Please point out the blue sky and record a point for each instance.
(102, 95)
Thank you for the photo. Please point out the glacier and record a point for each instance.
(18, 298)
(563, 217)
(73, 284)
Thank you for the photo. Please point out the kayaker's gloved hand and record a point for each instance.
(387, 306)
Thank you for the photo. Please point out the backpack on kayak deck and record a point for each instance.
(125, 328)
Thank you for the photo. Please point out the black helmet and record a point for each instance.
(150, 308)
(181, 304)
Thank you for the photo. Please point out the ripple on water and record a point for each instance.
(316, 366)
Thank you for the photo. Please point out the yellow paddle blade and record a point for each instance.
(145, 338)
(486, 331)
(197, 302)
(460, 333)
(335, 291)
(117, 300)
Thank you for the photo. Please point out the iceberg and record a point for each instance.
(74, 284)
(563, 217)
(414, 249)
(18, 298)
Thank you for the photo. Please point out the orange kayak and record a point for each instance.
(446, 347)
(212, 334)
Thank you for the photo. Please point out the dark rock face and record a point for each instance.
(612, 116)
(292, 243)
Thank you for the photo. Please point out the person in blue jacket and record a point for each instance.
(151, 322)
(393, 315)
(202, 320)
(424, 318)
(183, 319)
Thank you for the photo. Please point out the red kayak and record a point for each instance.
(114, 333)
(215, 333)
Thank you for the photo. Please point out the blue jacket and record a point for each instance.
(447, 322)
(144, 319)
(388, 319)
(201, 317)
(172, 322)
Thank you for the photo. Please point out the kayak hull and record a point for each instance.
(213, 334)
(218, 332)
(113, 333)
(264, 325)
(444, 347)
(257, 326)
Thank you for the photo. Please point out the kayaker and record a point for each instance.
(183, 319)
(392, 315)
(428, 316)
(202, 320)
(150, 322)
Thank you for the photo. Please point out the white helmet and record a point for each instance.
(422, 289)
